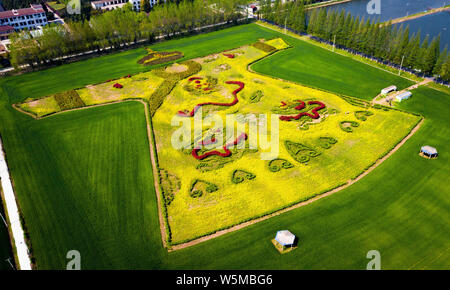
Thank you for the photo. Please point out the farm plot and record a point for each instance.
(324, 141)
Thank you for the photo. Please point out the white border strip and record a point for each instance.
(13, 214)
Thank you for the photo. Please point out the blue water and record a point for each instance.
(431, 24)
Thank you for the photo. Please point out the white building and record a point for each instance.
(113, 4)
(387, 90)
(403, 96)
(27, 18)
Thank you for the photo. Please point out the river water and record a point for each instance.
(389, 9)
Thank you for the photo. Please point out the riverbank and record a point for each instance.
(325, 4)
(416, 15)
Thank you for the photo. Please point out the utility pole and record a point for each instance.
(334, 42)
(401, 64)
(9, 261)
(4, 220)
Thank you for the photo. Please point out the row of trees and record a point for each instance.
(388, 43)
(118, 28)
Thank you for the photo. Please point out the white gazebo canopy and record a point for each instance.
(285, 238)
(429, 150)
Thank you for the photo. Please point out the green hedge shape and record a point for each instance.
(264, 47)
(327, 142)
(68, 100)
(275, 165)
(208, 187)
(239, 176)
(362, 115)
(166, 57)
(300, 152)
(348, 129)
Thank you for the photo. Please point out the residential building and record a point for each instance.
(113, 4)
(5, 31)
(26, 18)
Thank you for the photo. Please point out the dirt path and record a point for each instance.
(328, 3)
(417, 15)
(384, 101)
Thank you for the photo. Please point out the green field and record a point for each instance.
(95, 194)
(322, 69)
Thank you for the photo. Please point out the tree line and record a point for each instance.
(119, 28)
(390, 44)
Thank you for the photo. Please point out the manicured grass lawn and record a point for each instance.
(84, 182)
(320, 68)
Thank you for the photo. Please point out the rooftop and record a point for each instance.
(21, 12)
(6, 28)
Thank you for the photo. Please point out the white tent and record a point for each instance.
(403, 96)
(285, 238)
(429, 151)
(388, 90)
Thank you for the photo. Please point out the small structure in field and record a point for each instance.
(284, 241)
(387, 90)
(403, 96)
(428, 152)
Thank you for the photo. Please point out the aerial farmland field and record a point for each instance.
(89, 149)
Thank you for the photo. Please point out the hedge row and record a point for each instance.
(193, 68)
(264, 47)
(158, 96)
(238, 176)
(68, 100)
(275, 165)
(155, 58)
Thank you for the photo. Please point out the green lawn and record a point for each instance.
(320, 68)
(84, 180)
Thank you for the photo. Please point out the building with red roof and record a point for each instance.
(26, 18)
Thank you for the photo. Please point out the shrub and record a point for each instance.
(157, 97)
(362, 115)
(199, 187)
(275, 165)
(346, 128)
(264, 47)
(256, 96)
(300, 152)
(154, 57)
(68, 100)
(193, 68)
(327, 142)
(239, 176)
(170, 185)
